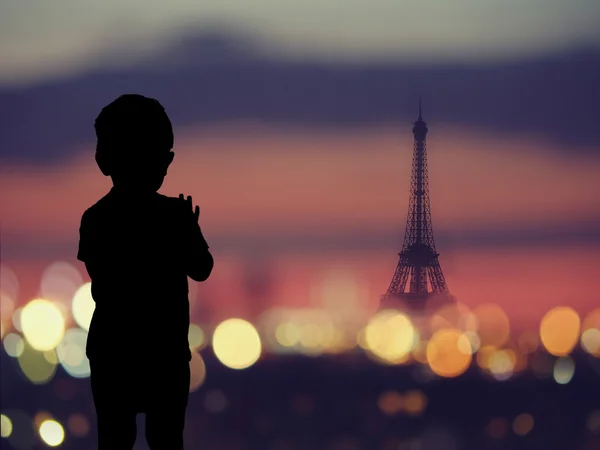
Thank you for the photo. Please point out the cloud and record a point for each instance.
(215, 79)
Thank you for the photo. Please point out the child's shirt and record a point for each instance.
(137, 249)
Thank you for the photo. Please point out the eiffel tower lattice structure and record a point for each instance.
(418, 276)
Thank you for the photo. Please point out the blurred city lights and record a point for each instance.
(37, 366)
(592, 320)
(16, 319)
(83, 306)
(501, 364)
(22, 434)
(559, 331)
(52, 433)
(415, 402)
(59, 282)
(197, 371)
(43, 324)
(9, 286)
(71, 353)
(78, 425)
(390, 335)
(528, 342)
(493, 325)
(564, 369)
(236, 343)
(196, 337)
(455, 315)
(6, 426)
(523, 424)
(444, 355)
(391, 402)
(13, 345)
(590, 341)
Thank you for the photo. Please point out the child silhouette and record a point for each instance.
(139, 247)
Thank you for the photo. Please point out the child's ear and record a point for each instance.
(103, 162)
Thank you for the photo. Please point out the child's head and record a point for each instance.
(135, 138)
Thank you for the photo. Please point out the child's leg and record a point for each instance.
(114, 412)
(167, 402)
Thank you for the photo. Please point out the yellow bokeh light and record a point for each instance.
(196, 337)
(444, 355)
(197, 371)
(52, 433)
(83, 306)
(590, 341)
(501, 364)
(38, 367)
(287, 334)
(6, 426)
(236, 343)
(493, 325)
(390, 336)
(559, 331)
(523, 424)
(43, 324)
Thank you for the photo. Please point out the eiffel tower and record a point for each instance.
(418, 268)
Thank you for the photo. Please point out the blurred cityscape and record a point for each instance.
(332, 377)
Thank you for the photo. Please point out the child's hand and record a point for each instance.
(189, 202)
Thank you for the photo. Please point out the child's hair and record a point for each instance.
(133, 123)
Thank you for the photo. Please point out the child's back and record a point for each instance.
(139, 248)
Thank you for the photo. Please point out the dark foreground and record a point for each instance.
(336, 403)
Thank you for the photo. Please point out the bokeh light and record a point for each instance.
(14, 344)
(22, 434)
(83, 306)
(444, 355)
(415, 403)
(16, 319)
(559, 330)
(78, 425)
(501, 364)
(236, 343)
(71, 353)
(390, 402)
(454, 315)
(390, 335)
(9, 287)
(59, 282)
(590, 341)
(197, 371)
(6, 426)
(523, 424)
(43, 324)
(39, 367)
(564, 369)
(196, 337)
(493, 325)
(52, 433)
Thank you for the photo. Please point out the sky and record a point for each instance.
(292, 127)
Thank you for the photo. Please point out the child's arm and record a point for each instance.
(199, 261)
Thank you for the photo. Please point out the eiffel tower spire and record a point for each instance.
(418, 274)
